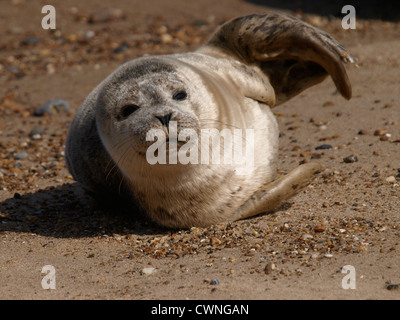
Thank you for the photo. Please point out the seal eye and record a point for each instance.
(179, 96)
(127, 110)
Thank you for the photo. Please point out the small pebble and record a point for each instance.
(350, 159)
(323, 127)
(215, 241)
(324, 147)
(380, 132)
(121, 48)
(89, 34)
(269, 267)
(393, 286)
(52, 107)
(37, 131)
(316, 156)
(328, 104)
(36, 136)
(148, 271)
(305, 154)
(166, 38)
(30, 41)
(17, 196)
(21, 155)
(391, 179)
(214, 282)
(319, 229)
(307, 236)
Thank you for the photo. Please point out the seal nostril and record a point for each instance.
(165, 119)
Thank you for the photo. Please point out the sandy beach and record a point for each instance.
(349, 216)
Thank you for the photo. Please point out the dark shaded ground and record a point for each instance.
(376, 9)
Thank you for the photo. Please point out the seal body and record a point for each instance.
(180, 103)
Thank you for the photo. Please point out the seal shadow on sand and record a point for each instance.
(66, 211)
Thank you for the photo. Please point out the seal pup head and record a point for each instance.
(144, 97)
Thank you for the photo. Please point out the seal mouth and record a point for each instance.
(172, 142)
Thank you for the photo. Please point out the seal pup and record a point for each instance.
(249, 65)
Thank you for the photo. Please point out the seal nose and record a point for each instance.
(165, 119)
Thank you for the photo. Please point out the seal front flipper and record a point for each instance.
(274, 194)
(291, 53)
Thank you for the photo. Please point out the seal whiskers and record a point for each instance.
(274, 194)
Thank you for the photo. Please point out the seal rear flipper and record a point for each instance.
(274, 194)
(291, 53)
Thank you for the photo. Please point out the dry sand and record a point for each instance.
(348, 216)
